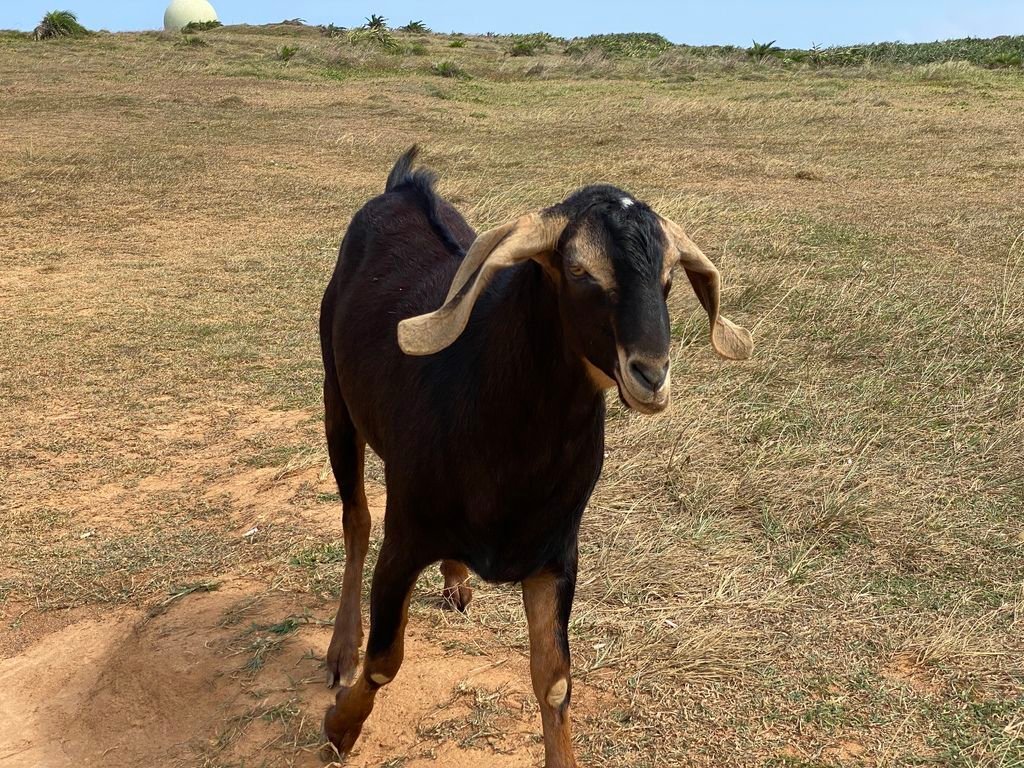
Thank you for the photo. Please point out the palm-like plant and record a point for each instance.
(59, 24)
(376, 22)
(380, 37)
(331, 30)
(415, 26)
(761, 51)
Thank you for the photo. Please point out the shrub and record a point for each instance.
(1005, 60)
(417, 49)
(192, 41)
(59, 24)
(200, 26)
(995, 52)
(624, 44)
(521, 48)
(457, 44)
(286, 52)
(529, 45)
(378, 36)
(761, 51)
(376, 22)
(449, 69)
(415, 26)
(330, 30)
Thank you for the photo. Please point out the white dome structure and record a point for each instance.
(182, 12)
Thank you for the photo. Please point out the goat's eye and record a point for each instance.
(576, 270)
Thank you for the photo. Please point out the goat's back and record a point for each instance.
(397, 259)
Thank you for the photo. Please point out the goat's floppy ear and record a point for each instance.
(528, 237)
(728, 339)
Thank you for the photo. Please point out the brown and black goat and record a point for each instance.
(488, 412)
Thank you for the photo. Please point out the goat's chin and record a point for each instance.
(648, 405)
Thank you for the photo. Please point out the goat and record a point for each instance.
(488, 412)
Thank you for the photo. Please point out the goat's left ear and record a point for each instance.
(729, 340)
(529, 237)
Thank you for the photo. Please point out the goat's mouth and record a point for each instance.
(642, 401)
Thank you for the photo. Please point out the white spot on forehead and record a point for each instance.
(626, 202)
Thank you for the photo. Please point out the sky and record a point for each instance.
(792, 23)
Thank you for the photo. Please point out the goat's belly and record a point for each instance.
(512, 546)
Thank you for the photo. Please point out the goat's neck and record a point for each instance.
(531, 363)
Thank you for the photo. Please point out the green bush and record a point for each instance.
(200, 26)
(449, 69)
(522, 48)
(997, 52)
(286, 52)
(378, 36)
(761, 51)
(623, 44)
(1005, 60)
(415, 26)
(330, 30)
(457, 44)
(529, 45)
(59, 24)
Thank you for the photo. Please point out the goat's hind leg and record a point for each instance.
(347, 450)
(457, 592)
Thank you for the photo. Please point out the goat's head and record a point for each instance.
(611, 259)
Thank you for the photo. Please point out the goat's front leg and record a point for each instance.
(548, 599)
(393, 578)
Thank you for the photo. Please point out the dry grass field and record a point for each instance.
(814, 558)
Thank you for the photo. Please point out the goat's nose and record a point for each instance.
(649, 373)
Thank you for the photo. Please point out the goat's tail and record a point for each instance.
(421, 185)
(402, 172)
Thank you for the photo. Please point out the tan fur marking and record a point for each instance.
(549, 669)
(557, 692)
(670, 259)
(380, 679)
(590, 254)
(598, 377)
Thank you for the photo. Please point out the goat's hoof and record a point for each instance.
(341, 741)
(342, 667)
(344, 721)
(457, 596)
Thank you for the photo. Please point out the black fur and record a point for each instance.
(420, 184)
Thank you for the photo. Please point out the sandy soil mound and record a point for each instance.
(214, 680)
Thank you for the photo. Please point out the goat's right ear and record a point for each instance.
(529, 237)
